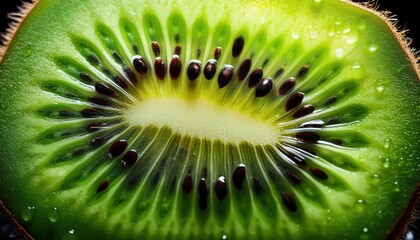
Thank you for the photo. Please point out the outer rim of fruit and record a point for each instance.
(16, 20)
(9, 215)
(399, 33)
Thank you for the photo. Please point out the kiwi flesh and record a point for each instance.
(207, 120)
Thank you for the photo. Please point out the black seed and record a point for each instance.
(91, 113)
(307, 137)
(130, 75)
(330, 101)
(288, 85)
(86, 77)
(289, 201)
(117, 57)
(129, 158)
(135, 49)
(160, 68)
(117, 148)
(99, 141)
(318, 173)
(221, 188)
(104, 89)
(103, 186)
(203, 188)
(66, 113)
(140, 65)
(302, 71)
(238, 46)
(225, 76)
(210, 69)
(96, 126)
(175, 67)
(187, 184)
(255, 77)
(238, 176)
(120, 82)
(244, 69)
(156, 48)
(93, 58)
(194, 68)
(256, 185)
(312, 124)
(294, 177)
(177, 50)
(264, 88)
(279, 72)
(217, 53)
(99, 101)
(303, 111)
(202, 203)
(294, 101)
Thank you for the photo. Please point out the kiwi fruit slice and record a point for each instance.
(139, 119)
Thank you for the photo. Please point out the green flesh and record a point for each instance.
(59, 181)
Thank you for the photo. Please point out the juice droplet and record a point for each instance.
(339, 52)
(373, 47)
(387, 143)
(53, 215)
(379, 89)
(224, 237)
(71, 231)
(365, 229)
(28, 213)
(295, 35)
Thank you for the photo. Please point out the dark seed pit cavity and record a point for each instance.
(238, 46)
(175, 67)
(156, 48)
(289, 202)
(288, 85)
(129, 158)
(225, 76)
(255, 77)
(104, 185)
(160, 68)
(140, 65)
(256, 185)
(130, 75)
(91, 113)
(294, 177)
(294, 101)
(86, 77)
(302, 71)
(117, 148)
(100, 101)
(307, 137)
(238, 176)
(303, 111)
(177, 50)
(244, 69)
(217, 53)
(119, 81)
(194, 69)
(264, 88)
(279, 72)
(221, 188)
(210, 69)
(187, 184)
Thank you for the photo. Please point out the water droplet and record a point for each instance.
(71, 231)
(53, 215)
(224, 237)
(379, 89)
(373, 47)
(317, 1)
(386, 163)
(339, 52)
(387, 143)
(365, 229)
(360, 201)
(295, 35)
(28, 213)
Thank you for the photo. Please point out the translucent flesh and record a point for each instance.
(50, 170)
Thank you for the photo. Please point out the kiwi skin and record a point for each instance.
(408, 52)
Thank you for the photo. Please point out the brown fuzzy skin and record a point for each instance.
(12, 220)
(16, 20)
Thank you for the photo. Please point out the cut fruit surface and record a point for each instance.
(225, 119)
